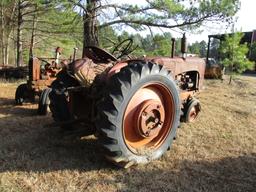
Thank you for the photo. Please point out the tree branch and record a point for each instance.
(152, 24)
(79, 4)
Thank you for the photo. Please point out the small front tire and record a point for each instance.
(191, 111)
(44, 102)
(21, 94)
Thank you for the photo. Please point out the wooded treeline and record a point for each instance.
(37, 27)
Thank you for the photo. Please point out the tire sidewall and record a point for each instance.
(44, 101)
(191, 104)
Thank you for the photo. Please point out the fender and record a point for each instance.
(116, 69)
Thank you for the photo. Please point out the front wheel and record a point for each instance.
(139, 114)
(21, 94)
(44, 102)
(191, 111)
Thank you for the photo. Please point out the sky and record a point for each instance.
(245, 22)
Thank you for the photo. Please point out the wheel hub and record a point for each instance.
(150, 117)
(193, 113)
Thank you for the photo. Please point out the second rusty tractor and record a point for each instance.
(132, 106)
(41, 73)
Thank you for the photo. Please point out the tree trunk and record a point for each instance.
(90, 23)
(32, 41)
(7, 18)
(7, 47)
(7, 51)
(14, 47)
(2, 35)
(19, 34)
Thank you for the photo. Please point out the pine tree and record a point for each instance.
(234, 54)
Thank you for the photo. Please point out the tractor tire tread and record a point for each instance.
(109, 107)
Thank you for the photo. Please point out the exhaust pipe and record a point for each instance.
(173, 48)
(184, 47)
(74, 55)
(57, 56)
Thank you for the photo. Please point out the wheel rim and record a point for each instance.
(193, 113)
(148, 118)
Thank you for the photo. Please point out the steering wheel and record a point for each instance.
(44, 61)
(123, 48)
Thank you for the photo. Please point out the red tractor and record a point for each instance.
(42, 72)
(132, 106)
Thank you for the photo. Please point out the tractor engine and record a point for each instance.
(85, 71)
(185, 82)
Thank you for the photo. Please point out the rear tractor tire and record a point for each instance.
(58, 97)
(191, 111)
(44, 102)
(138, 115)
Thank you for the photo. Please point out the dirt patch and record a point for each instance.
(216, 153)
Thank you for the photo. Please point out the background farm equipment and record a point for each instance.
(7, 72)
(133, 106)
(213, 70)
(42, 72)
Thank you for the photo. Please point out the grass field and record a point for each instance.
(217, 153)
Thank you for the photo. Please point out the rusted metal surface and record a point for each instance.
(40, 78)
(133, 105)
(184, 95)
(85, 70)
(41, 73)
(214, 72)
(187, 72)
(151, 116)
(179, 65)
(116, 68)
(148, 117)
(34, 69)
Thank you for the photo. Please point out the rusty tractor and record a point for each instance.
(132, 106)
(42, 72)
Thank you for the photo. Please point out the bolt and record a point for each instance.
(160, 124)
(156, 120)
